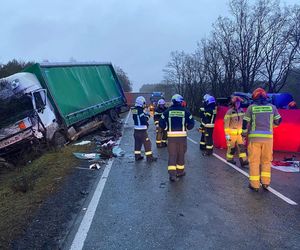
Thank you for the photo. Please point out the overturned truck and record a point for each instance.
(57, 103)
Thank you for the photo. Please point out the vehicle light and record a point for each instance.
(22, 125)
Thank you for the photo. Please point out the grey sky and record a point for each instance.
(137, 35)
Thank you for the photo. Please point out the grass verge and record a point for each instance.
(24, 190)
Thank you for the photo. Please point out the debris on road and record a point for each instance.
(95, 166)
(117, 151)
(84, 156)
(82, 143)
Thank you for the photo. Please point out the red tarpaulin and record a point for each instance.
(286, 136)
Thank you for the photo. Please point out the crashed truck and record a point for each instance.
(57, 103)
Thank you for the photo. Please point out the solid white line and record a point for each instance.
(87, 220)
(272, 190)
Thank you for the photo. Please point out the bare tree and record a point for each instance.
(123, 78)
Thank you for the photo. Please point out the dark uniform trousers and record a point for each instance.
(141, 138)
(202, 139)
(161, 136)
(177, 148)
(208, 137)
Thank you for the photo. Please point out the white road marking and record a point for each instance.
(272, 190)
(86, 222)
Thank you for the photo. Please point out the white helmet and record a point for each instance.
(140, 101)
(205, 97)
(161, 102)
(177, 98)
(210, 100)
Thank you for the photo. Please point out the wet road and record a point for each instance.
(210, 208)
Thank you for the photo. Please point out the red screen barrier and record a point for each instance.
(286, 136)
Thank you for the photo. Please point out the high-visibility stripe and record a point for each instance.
(265, 174)
(209, 125)
(271, 122)
(137, 152)
(163, 140)
(260, 135)
(172, 168)
(177, 133)
(245, 131)
(162, 117)
(147, 139)
(253, 122)
(206, 113)
(229, 156)
(190, 117)
(246, 118)
(183, 124)
(262, 109)
(156, 122)
(242, 155)
(234, 131)
(234, 115)
(276, 117)
(170, 124)
(180, 167)
(140, 127)
(148, 153)
(254, 177)
(209, 147)
(202, 142)
(158, 141)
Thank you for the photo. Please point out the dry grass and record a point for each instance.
(23, 190)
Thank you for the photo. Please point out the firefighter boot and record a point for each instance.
(232, 161)
(151, 158)
(172, 177)
(139, 158)
(253, 188)
(244, 163)
(265, 186)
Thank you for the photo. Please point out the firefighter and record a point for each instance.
(161, 134)
(258, 124)
(176, 120)
(141, 138)
(233, 122)
(201, 128)
(292, 105)
(208, 123)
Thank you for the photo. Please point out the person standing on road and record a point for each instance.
(176, 120)
(208, 123)
(258, 124)
(161, 134)
(141, 138)
(233, 122)
(201, 128)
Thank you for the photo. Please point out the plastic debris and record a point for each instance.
(117, 151)
(95, 166)
(84, 156)
(82, 143)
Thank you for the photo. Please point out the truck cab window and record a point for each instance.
(40, 100)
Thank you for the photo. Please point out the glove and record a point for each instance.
(227, 137)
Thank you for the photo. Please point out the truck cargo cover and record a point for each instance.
(80, 91)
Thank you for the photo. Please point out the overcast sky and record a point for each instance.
(137, 35)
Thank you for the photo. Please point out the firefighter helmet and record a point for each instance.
(259, 93)
(210, 100)
(177, 98)
(292, 105)
(235, 99)
(205, 97)
(140, 101)
(161, 102)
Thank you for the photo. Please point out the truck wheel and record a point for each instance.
(107, 121)
(59, 139)
(113, 115)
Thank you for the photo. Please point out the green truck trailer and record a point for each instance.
(57, 102)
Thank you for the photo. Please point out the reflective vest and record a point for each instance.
(261, 119)
(233, 121)
(176, 120)
(140, 118)
(208, 116)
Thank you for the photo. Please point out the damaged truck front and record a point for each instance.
(56, 103)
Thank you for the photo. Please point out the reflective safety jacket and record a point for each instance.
(208, 115)
(176, 120)
(140, 118)
(259, 121)
(233, 121)
(157, 114)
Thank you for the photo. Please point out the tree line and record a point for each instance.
(15, 66)
(256, 45)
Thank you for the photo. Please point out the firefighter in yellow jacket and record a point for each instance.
(258, 124)
(233, 122)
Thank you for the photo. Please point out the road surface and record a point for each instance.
(136, 207)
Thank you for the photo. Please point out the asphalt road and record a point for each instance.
(210, 208)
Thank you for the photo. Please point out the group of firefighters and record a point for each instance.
(255, 125)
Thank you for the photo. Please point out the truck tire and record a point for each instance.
(59, 140)
(107, 122)
(113, 115)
